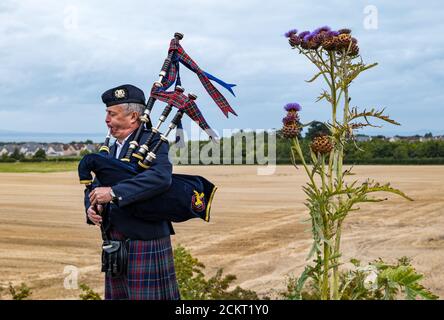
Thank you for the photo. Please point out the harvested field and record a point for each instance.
(256, 230)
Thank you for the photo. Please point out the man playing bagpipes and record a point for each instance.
(135, 196)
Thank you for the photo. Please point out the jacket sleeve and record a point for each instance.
(86, 201)
(149, 183)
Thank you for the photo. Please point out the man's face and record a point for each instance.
(119, 121)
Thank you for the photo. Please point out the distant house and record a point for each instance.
(54, 150)
(29, 149)
(435, 138)
(416, 138)
(78, 146)
(363, 138)
(413, 138)
(90, 147)
(3, 151)
(8, 149)
(70, 150)
(51, 149)
(380, 137)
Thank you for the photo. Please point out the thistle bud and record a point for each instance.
(354, 50)
(321, 144)
(345, 30)
(294, 40)
(343, 41)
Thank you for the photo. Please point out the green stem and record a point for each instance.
(336, 162)
(339, 178)
(336, 262)
(327, 250)
(333, 88)
(299, 151)
(342, 140)
(330, 169)
(325, 291)
(323, 173)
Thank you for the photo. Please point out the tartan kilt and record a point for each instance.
(150, 274)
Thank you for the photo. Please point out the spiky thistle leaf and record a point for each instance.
(354, 114)
(317, 75)
(325, 95)
(408, 279)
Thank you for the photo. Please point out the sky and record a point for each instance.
(58, 57)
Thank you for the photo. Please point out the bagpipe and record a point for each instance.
(189, 196)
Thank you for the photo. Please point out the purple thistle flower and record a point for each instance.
(308, 37)
(333, 33)
(288, 34)
(294, 40)
(303, 34)
(289, 119)
(293, 106)
(321, 29)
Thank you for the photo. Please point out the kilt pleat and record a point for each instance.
(150, 274)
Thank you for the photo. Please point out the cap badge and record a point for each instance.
(119, 93)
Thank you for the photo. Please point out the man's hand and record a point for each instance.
(100, 195)
(94, 216)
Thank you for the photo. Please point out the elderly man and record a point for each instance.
(150, 270)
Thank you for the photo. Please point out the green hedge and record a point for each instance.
(413, 161)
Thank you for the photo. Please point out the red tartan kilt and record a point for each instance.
(150, 275)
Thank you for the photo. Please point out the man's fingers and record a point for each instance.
(99, 199)
(96, 219)
(92, 197)
(95, 208)
(100, 195)
(96, 199)
(93, 216)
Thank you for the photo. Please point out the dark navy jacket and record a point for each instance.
(145, 185)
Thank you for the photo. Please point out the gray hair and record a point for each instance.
(133, 107)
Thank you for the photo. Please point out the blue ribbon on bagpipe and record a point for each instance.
(175, 62)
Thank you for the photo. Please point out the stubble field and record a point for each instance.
(256, 230)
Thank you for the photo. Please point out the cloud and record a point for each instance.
(57, 57)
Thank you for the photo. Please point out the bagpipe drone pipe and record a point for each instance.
(189, 196)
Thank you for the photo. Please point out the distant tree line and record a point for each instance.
(402, 152)
(378, 150)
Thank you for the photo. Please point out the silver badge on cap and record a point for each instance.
(119, 93)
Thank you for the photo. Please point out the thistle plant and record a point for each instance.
(335, 55)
